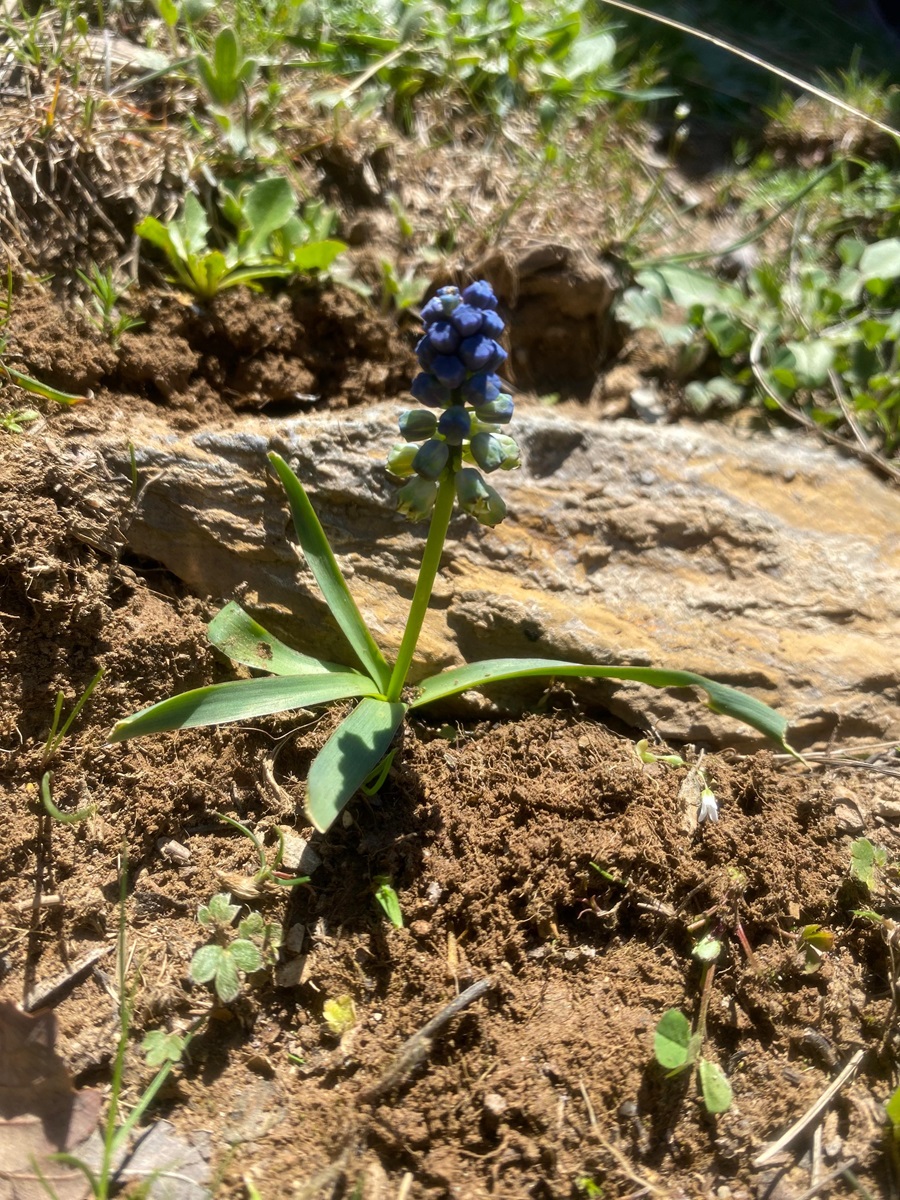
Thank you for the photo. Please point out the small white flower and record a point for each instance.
(709, 808)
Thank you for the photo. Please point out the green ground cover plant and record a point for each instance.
(449, 445)
(271, 240)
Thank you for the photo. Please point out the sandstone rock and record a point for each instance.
(768, 562)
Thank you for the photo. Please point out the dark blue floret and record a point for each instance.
(433, 311)
(491, 323)
(455, 424)
(426, 389)
(431, 459)
(425, 353)
(498, 358)
(443, 337)
(448, 369)
(479, 353)
(482, 387)
(480, 295)
(468, 320)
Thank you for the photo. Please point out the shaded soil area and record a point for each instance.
(540, 858)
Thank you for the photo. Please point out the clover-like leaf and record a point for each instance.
(246, 955)
(205, 963)
(161, 1047)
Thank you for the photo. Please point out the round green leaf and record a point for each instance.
(717, 1094)
(228, 981)
(205, 963)
(672, 1040)
(246, 955)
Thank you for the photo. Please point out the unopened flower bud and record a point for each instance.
(479, 498)
(482, 387)
(431, 459)
(480, 295)
(426, 389)
(498, 411)
(416, 498)
(467, 320)
(448, 370)
(425, 353)
(454, 424)
(494, 451)
(478, 352)
(416, 424)
(444, 337)
(400, 459)
(491, 324)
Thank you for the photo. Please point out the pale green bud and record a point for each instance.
(479, 498)
(416, 498)
(400, 459)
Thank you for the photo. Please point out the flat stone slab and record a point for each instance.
(768, 561)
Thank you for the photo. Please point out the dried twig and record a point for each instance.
(813, 1113)
(417, 1048)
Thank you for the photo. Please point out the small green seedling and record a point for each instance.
(17, 419)
(646, 755)
(161, 1047)
(389, 900)
(677, 1049)
(814, 942)
(266, 873)
(105, 297)
(57, 734)
(460, 431)
(339, 1014)
(64, 818)
(224, 961)
(867, 862)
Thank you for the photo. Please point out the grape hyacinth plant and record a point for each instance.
(450, 443)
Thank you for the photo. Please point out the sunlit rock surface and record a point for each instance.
(770, 562)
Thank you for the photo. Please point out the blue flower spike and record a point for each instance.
(459, 353)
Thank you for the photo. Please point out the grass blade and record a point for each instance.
(722, 699)
(348, 758)
(240, 700)
(317, 552)
(245, 641)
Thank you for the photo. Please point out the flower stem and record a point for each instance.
(431, 561)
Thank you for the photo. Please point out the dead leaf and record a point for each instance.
(171, 1166)
(41, 1113)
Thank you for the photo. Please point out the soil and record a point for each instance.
(539, 858)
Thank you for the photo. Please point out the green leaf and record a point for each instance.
(387, 897)
(866, 860)
(892, 1108)
(160, 1047)
(318, 554)
(316, 256)
(687, 287)
(228, 981)
(193, 225)
(205, 963)
(245, 641)
(219, 911)
(881, 260)
(727, 335)
(672, 1040)
(154, 232)
(240, 700)
(353, 750)
(717, 1094)
(268, 205)
(707, 949)
(226, 54)
(722, 699)
(246, 955)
